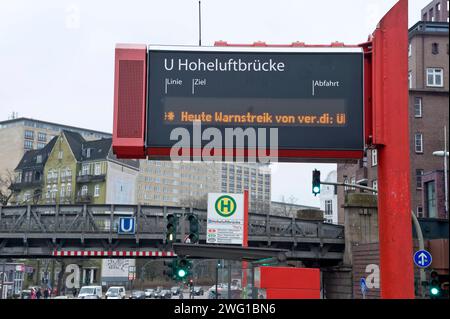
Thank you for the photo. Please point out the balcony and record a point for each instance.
(91, 178)
(25, 185)
(83, 199)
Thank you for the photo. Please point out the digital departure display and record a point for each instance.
(313, 97)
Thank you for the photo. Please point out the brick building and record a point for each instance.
(428, 62)
(436, 11)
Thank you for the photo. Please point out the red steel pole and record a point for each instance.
(391, 135)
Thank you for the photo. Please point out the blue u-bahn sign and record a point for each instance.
(127, 225)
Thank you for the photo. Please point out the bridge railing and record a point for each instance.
(104, 219)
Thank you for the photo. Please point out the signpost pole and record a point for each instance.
(217, 277)
(245, 242)
(391, 133)
(229, 279)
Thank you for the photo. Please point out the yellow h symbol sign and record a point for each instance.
(225, 205)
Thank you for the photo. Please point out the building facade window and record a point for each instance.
(28, 145)
(60, 154)
(410, 79)
(417, 107)
(85, 169)
(431, 199)
(435, 48)
(419, 174)
(375, 185)
(374, 158)
(96, 190)
(54, 191)
(63, 191)
(328, 207)
(69, 189)
(40, 145)
(19, 177)
(29, 134)
(409, 49)
(84, 190)
(42, 137)
(97, 169)
(418, 142)
(419, 211)
(28, 177)
(435, 77)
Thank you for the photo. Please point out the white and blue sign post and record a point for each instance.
(127, 225)
(364, 288)
(422, 258)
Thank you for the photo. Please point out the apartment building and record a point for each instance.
(187, 184)
(71, 170)
(18, 135)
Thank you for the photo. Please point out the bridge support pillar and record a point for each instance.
(361, 222)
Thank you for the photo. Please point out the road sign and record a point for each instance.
(422, 258)
(363, 286)
(313, 96)
(127, 225)
(225, 222)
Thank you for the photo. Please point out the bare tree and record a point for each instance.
(195, 202)
(288, 208)
(6, 187)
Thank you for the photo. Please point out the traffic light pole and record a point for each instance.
(351, 185)
(423, 277)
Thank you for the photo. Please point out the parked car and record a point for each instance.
(25, 294)
(149, 293)
(165, 294)
(90, 292)
(158, 291)
(117, 292)
(175, 290)
(137, 294)
(198, 291)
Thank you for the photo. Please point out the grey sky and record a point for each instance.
(57, 57)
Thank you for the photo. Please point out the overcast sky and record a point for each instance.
(57, 57)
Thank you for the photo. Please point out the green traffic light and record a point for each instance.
(434, 291)
(316, 189)
(181, 273)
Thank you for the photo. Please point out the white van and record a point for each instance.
(116, 292)
(90, 292)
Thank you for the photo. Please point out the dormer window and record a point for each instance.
(19, 177)
(88, 153)
(38, 159)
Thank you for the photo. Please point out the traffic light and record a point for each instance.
(171, 234)
(434, 287)
(169, 268)
(193, 228)
(182, 269)
(316, 182)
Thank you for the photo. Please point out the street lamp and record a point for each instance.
(444, 154)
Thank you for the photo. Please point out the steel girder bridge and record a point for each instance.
(91, 231)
